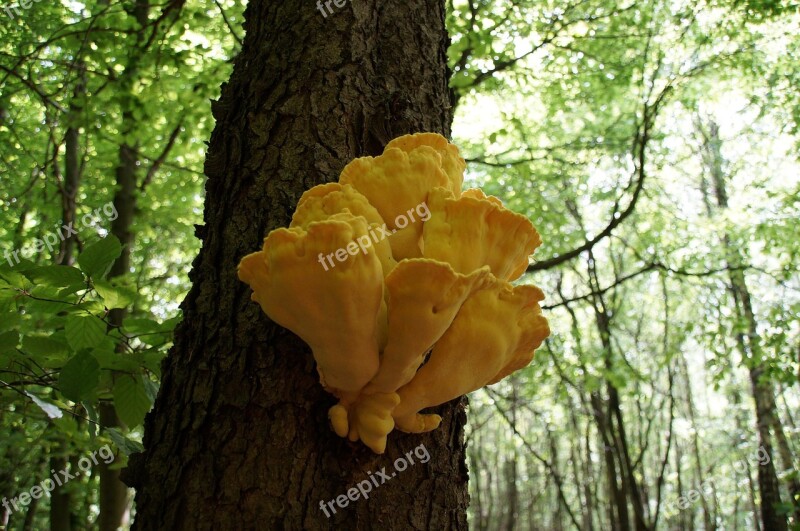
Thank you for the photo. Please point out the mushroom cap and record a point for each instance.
(495, 332)
(452, 162)
(335, 311)
(325, 200)
(397, 183)
(321, 202)
(477, 193)
(423, 297)
(473, 231)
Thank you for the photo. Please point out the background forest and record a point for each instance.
(654, 145)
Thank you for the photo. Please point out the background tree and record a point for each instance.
(68, 104)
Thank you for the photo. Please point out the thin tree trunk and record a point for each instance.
(787, 460)
(476, 483)
(30, 513)
(617, 503)
(60, 501)
(589, 495)
(62, 509)
(61, 517)
(558, 515)
(114, 499)
(511, 466)
(490, 500)
(582, 479)
(239, 437)
(72, 170)
(511, 495)
(763, 394)
(753, 503)
(708, 519)
(623, 454)
(113, 492)
(682, 514)
(613, 423)
(114, 502)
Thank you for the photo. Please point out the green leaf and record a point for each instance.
(97, 258)
(131, 400)
(136, 327)
(46, 300)
(15, 279)
(151, 359)
(110, 359)
(7, 291)
(114, 296)
(56, 276)
(152, 389)
(95, 421)
(79, 377)
(128, 446)
(9, 320)
(84, 331)
(43, 346)
(92, 306)
(9, 314)
(148, 331)
(9, 341)
(54, 412)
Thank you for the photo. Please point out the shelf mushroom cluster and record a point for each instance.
(423, 314)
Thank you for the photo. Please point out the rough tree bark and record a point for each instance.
(239, 437)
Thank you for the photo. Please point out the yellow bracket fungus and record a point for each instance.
(396, 183)
(423, 298)
(473, 231)
(373, 293)
(323, 201)
(335, 311)
(452, 163)
(495, 332)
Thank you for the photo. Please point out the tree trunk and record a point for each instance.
(239, 437)
(749, 346)
(114, 499)
(30, 513)
(709, 521)
(72, 170)
(789, 470)
(60, 501)
(511, 466)
(61, 515)
(114, 502)
(611, 424)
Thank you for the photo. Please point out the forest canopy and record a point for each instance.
(654, 145)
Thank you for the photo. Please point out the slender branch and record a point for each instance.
(227, 23)
(640, 150)
(164, 153)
